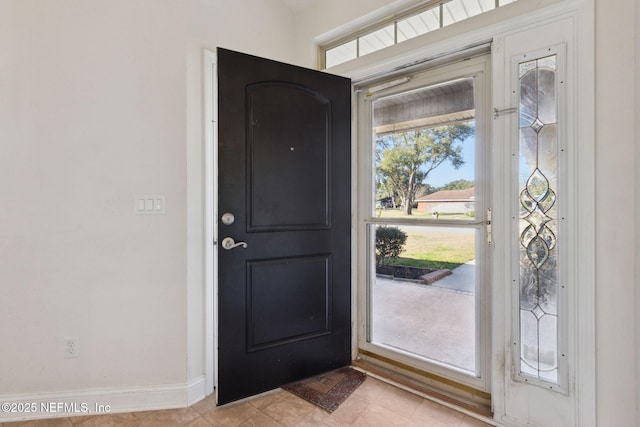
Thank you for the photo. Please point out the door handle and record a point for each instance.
(228, 243)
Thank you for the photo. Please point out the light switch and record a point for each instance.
(149, 204)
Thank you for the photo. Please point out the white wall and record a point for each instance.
(92, 112)
(616, 70)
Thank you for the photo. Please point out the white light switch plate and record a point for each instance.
(149, 204)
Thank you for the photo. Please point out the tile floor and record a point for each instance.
(374, 403)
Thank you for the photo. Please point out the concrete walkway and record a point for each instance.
(435, 321)
(461, 278)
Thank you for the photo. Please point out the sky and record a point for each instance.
(445, 173)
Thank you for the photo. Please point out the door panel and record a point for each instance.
(284, 149)
(301, 311)
(293, 151)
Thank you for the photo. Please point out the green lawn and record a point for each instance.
(437, 249)
(398, 213)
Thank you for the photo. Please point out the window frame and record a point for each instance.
(392, 19)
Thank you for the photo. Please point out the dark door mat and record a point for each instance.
(328, 390)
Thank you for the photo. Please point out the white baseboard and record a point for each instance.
(94, 402)
(197, 390)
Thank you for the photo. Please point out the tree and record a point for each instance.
(459, 184)
(405, 159)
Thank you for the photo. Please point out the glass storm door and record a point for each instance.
(425, 225)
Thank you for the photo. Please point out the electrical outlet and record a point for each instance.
(71, 348)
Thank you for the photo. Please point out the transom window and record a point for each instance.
(415, 22)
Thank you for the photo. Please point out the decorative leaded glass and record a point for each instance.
(538, 219)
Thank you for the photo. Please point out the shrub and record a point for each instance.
(390, 243)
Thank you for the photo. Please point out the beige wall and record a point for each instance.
(91, 114)
(616, 141)
(102, 100)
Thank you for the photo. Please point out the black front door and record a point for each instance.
(284, 298)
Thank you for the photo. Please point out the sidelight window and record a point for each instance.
(539, 229)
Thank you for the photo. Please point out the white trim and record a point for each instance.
(355, 247)
(500, 230)
(119, 400)
(196, 390)
(211, 208)
(586, 218)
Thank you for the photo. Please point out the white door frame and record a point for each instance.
(210, 72)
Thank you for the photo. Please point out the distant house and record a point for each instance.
(448, 201)
(385, 203)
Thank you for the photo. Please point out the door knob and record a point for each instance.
(228, 218)
(228, 243)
